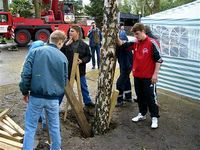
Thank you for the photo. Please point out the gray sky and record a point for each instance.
(86, 2)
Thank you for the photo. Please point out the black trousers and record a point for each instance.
(146, 96)
(124, 86)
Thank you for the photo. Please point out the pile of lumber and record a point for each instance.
(11, 134)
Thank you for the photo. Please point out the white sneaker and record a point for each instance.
(139, 117)
(154, 124)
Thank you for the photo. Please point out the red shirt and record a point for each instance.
(145, 56)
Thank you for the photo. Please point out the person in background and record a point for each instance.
(146, 65)
(42, 83)
(125, 60)
(95, 38)
(149, 32)
(76, 45)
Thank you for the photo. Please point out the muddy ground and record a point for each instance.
(179, 124)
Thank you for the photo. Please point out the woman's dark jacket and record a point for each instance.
(84, 54)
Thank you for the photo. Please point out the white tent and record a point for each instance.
(178, 30)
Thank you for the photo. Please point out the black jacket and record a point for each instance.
(84, 54)
(125, 59)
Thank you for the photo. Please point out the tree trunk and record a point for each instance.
(5, 5)
(107, 68)
(37, 5)
(156, 6)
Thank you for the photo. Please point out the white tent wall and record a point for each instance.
(180, 45)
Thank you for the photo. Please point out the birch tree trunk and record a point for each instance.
(107, 68)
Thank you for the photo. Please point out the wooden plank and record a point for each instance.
(74, 68)
(15, 125)
(8, 136)
(78, 110)
(4, 146)
(5, 112)
(12, 143)
(72, 78)
(7, 123)
(8, 129)
(113, 103)
(80, 97)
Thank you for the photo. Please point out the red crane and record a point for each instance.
(60, 16)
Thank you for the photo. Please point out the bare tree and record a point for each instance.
(5, 5)
(108, 63)
(37, 5)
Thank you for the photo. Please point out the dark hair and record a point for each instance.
(149, 32)
(138, 27)
(121, 24)
(79, 30)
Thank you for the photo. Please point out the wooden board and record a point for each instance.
(15, 125)
(8, 136)
(78, 110)
(113, 103)
(80, 97)
(7, 123)
(5, 112)
(72, 78)
(74, 68)
(8, 129)
(4, 146)
(11, 143)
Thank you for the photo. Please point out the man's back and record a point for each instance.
(48, 69)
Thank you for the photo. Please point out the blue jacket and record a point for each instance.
(35, 44)
(122, 35)
(91, 37)
(44, 73)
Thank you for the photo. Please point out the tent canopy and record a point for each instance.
(187, 14)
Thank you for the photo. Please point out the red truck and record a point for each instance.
(60, 16)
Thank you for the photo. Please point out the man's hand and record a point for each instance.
(26, 98)
(154, 78)
(69, 42)
(79, 61)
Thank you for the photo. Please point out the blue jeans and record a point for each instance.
(97, 49)
(84, 90)
(43, 112)
(33, 112)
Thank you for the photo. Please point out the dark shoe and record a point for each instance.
(119, 104)
(135, 100)
(93, 67)
(91, 104)
(40, 119)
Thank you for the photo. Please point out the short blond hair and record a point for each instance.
(56, 36)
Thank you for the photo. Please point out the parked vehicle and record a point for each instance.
(23, 30)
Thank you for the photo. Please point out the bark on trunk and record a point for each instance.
(107, 68)
(5, 5)
(37, 5)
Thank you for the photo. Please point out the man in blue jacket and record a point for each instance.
(95, 38)
(43, 79)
